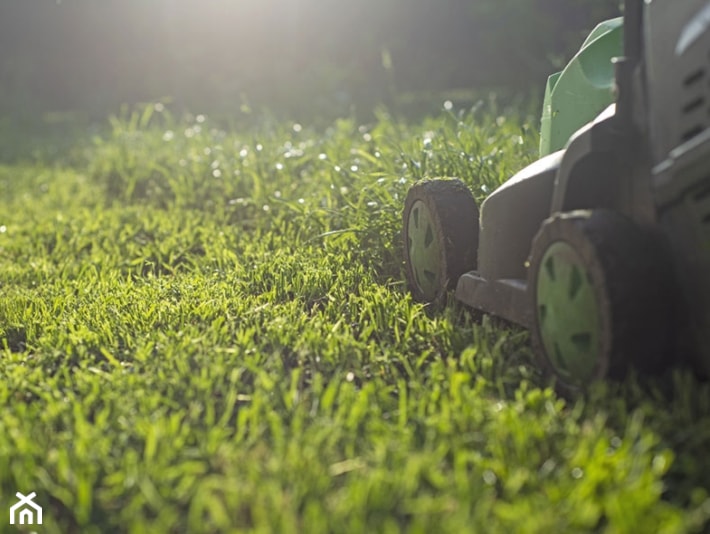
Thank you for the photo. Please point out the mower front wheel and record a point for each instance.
(440, 234)
(600, 295)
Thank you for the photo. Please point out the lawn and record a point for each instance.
(204, 328)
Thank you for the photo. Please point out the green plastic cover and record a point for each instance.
(585, 87)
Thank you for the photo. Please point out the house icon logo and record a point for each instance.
(26, 511)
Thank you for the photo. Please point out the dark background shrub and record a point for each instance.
(295, 56)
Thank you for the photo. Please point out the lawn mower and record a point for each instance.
(601, 248)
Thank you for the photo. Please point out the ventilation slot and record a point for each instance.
(694, 77)
(689, 134)
(693, 110)
(693, 105)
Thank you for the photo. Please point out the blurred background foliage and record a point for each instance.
(296, 57)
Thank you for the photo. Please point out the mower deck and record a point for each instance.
(505, 298)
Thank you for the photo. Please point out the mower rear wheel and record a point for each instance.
(600, 297)
(440, 234)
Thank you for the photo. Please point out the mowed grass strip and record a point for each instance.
(205, 330)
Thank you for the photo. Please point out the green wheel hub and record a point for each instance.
(424, 250)
(568, 312)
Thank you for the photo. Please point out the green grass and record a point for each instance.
(206, 331)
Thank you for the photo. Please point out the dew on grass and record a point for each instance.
(547, 467)
(489, 477)
(660, 463)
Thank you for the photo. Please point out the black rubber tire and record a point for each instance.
(632, 278)
(454, 226)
